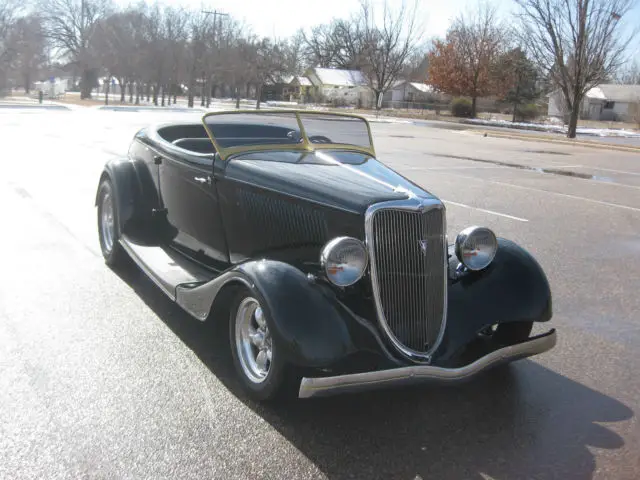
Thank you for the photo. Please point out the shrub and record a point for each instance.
(461, 107)
(527, 111)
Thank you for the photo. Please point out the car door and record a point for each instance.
(191, 205)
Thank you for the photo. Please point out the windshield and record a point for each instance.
(242, 131)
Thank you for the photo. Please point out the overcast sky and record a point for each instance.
(282, 18)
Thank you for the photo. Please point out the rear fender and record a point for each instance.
(121, 173)
(134, 191)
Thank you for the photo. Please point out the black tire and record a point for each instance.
(513, 332)
(279, 382)
(113, 253)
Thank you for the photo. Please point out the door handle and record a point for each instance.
(203, 180)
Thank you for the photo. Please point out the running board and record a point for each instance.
(165, 267)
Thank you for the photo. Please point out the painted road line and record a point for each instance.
(452, 168)
(512, 217)
(565, 195)
(590, 167)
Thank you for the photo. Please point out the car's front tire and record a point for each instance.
(257, 359)
(108, 233)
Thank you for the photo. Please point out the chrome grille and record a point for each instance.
(408, 250)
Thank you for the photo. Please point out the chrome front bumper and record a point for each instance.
(357, 382)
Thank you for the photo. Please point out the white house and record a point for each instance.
(50, 88)
(343, 86)
(608, 102)
(114, 87)
(404, 91)
(297, 89)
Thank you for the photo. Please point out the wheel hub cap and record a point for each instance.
(107, 222)
(253, 341)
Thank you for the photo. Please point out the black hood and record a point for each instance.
(346, 180)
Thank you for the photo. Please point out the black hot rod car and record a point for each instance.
(333, 271)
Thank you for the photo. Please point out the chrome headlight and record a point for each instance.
(344, 260)
(476, 247)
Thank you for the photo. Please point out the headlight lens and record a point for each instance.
(344, 260)
(476, 247)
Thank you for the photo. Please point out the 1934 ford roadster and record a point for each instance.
(333, 271)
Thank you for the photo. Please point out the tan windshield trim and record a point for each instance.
(305, 146)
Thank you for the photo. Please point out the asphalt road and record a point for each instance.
(102, 377)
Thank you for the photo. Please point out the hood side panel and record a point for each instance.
(344, 180)
(264, 224)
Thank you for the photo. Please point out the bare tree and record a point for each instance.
(270, 65)
(320, 47)
(30, 46)
(196, 52)
(293, 51)
(70, 25)
(387, 46)
(416, 67)
(222, 57)
(120, 48)
(176, 32)
(578, 42)
(630, 75)
(9, 10)
(242, 63)
(351, 37)
(380, 47)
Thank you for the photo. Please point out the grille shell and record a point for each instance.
(409, 283)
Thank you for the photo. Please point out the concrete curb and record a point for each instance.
(548, 139)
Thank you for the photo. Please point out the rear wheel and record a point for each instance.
(256, 357)
(112, 251)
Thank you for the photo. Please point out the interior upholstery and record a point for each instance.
(199, 145)
(193, 137)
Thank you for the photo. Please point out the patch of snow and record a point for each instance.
(423, 87)
(342, 78)
(278, 103)
(302, 81)
(383, 119)
(597, 93)
(545, 127)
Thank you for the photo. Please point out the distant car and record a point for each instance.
(332, 270)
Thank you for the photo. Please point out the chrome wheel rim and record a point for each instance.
(253, 341)
(107, 222)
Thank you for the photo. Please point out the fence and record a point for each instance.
(421, 106)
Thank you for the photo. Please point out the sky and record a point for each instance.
(282, 18)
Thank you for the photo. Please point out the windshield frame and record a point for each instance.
(304, 146)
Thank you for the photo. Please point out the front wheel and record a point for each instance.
(113, 253)
(256, 358)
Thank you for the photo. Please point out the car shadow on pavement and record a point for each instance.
(520, 421)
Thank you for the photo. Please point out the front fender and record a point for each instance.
(312, 327)
(514, 288)
(306, 321)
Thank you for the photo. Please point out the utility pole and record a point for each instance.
(205, 81)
